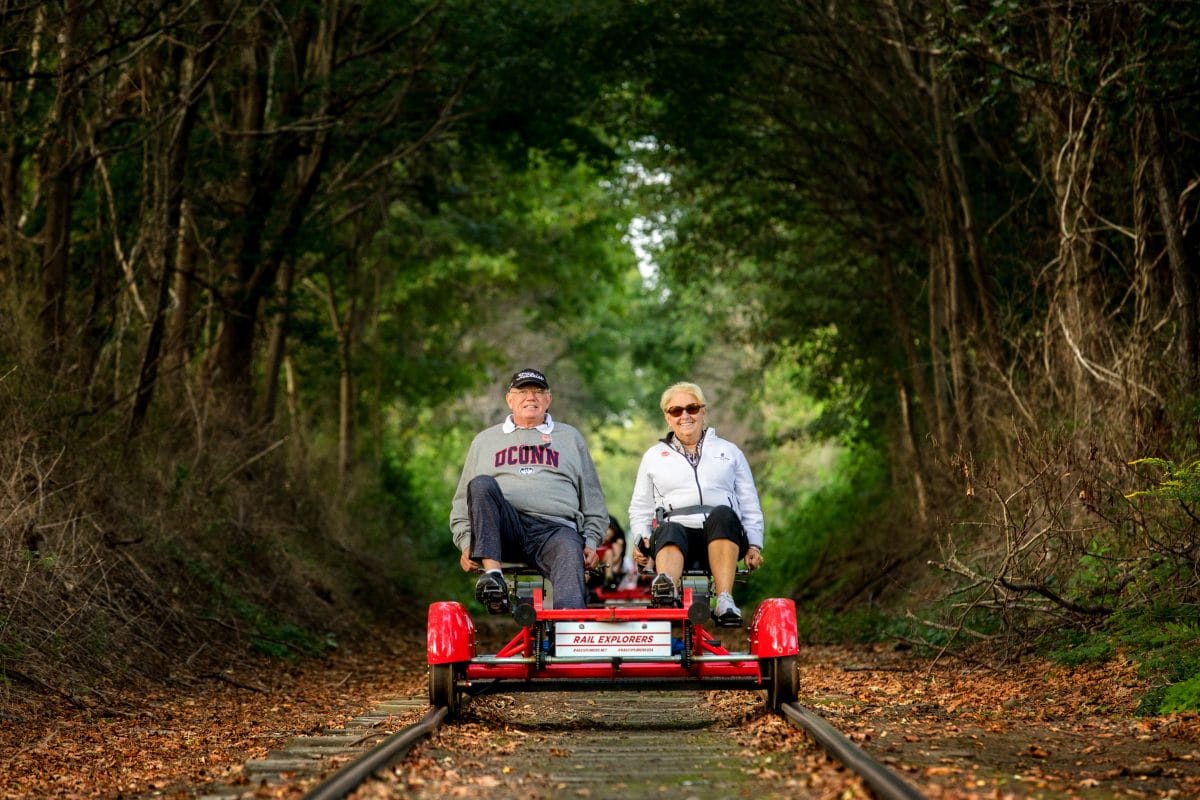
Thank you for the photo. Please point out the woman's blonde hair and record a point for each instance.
(683, 386)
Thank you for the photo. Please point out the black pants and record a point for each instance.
(503, 533)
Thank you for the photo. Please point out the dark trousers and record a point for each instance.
(503, 533)
(721, 523)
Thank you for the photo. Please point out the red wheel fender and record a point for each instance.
(450, 636)
(773, 629)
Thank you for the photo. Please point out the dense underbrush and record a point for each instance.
(1063, 549)
(165, 558)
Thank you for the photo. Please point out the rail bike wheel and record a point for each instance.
(443, 687)
(783, 682)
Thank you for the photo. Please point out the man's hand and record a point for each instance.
(590, 558)
(467, 564)
(753, 559)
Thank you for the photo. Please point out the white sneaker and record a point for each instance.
(727, 614)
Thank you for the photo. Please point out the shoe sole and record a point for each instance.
(663, 595)
(728, 620)
(662, 600)
(497, 607)
(494, 599)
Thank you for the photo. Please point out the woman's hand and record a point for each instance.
(753, 559)
(640, 556)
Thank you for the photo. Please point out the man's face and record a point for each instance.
(528, 404)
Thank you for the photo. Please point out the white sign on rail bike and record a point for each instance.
(609, 639)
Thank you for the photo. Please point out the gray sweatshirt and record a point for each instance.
(546, 471)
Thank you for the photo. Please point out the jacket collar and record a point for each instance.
(670, 439)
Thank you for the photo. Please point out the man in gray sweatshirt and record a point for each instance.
(529, 493)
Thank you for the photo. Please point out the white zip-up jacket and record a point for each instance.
(666, 480)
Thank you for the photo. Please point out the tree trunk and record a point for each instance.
(268, 231)
(345, 414)
(912, 452)
(251, 200)
(277, 345)
(56, 177)
(11, 156)
(179, 341)
(195, 72)
(1183, 261)
(900, 323)
(937, 359)
(989, 341)
(947, 233)
(343, 325)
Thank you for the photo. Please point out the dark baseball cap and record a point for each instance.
(528, 377)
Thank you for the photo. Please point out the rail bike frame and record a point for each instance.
(616, 646)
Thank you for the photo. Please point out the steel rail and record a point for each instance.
(356, 773)
(886, 784)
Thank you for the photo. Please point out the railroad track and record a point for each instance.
(615, 744)
(608, 708)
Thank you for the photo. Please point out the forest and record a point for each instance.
(265, 269)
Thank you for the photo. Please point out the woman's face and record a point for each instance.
(688, 426)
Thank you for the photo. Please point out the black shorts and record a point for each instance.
(721, 523)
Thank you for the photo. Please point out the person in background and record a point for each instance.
(529, 493)
(695, 505)
(618, 565)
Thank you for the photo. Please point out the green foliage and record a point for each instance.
(420, 475)
(12, 649)
(1164, 638)
(270, 633)
(279, 638)
(1078, 647)
(507, 260)
(1182, 696)
(39, 559)
(860, 624)
(285, 640)
(816, 525)
(617, 449)
(1177, 482)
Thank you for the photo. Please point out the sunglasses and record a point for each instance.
(691, 408)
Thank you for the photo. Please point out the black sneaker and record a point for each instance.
(663, 593)
(492, 591)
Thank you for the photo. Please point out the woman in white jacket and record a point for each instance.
(695, 505)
